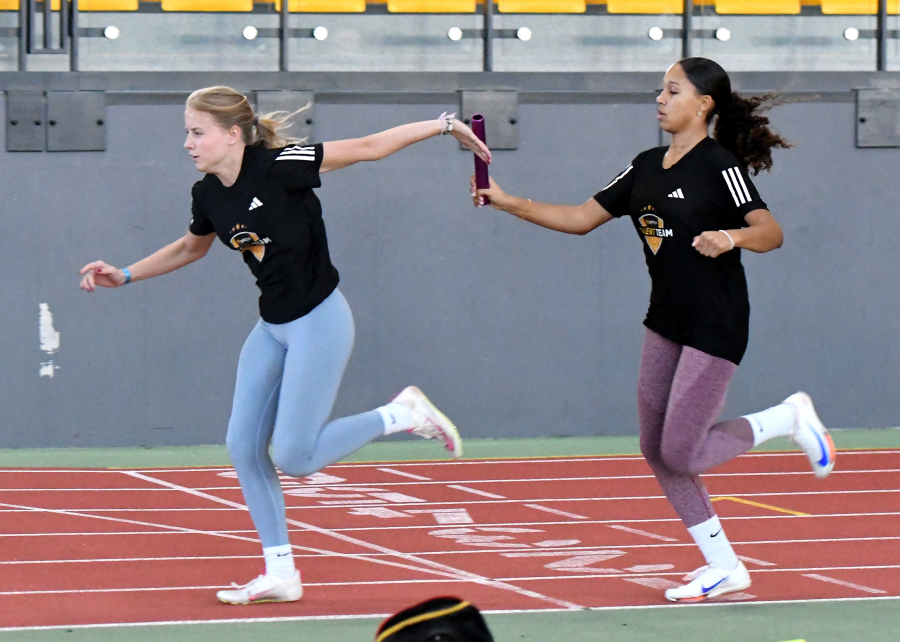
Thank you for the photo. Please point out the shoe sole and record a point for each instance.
(443, 422)
(712, 594)
(268, 599)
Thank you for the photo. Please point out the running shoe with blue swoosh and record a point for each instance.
(708, 582)
(811, 436)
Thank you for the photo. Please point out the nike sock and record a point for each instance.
(714, 545)
(280, 561)
(396, 417)
(777, 421)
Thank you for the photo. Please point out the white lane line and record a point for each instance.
(116, 533)
(139, 510)
(294, 618)
(638, 531)
(429, 565)
(431, 527)
(476, 492)
(611, 573)
(753, 560)
(140, 559)
(224, 534)
(555, 511)
(403, 474)
(615, 573)
(426, 481)
(457, 580)
(462, 462)
(574, 550)
(858, 587)
(381, 616)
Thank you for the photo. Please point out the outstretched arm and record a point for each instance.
(342, 153)
(187, 249)
(763, 235)
(571, 219)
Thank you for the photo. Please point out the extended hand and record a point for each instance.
(498, 197)
(99, 273)
(467, 137)
(712, 244)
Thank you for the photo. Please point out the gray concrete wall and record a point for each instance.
(514, 330)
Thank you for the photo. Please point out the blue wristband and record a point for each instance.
(127, 274)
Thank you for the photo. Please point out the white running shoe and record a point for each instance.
(264, 588)
(708, 582)
(430, 422)
(811, 436)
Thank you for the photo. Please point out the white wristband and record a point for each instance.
(446, 122)
(729, 238)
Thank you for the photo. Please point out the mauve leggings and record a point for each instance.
(681, 392)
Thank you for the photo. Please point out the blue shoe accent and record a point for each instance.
(706, 590)
(824, 461)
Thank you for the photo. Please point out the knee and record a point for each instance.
(292, 460)
(676, 458)
(651, 453)
(241, 451)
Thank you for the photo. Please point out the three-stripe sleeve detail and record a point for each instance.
(736, 186)
(297, 152)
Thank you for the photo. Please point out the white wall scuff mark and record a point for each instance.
(49, 336)
(47, 369)
(49, 339)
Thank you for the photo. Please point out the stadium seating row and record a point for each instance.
(767, 7)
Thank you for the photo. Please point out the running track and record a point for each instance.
(86, 547)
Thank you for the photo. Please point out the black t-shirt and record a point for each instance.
(272, 217)
(695, 300)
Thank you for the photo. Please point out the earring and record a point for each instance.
(699, 113)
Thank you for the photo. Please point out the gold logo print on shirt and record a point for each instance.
(248, 241)
(653, 229)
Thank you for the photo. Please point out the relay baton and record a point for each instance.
(481, 169)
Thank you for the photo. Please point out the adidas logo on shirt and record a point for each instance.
(255, 203)
(297, 152)
(676, 194)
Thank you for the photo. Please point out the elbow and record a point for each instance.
(777, 238)
(200, 252)
(370, 150)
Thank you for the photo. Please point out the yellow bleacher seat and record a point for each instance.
(541, 6)
(9, 5)
(107, 5)
(783, 7)
(207, 5)
(645, 6)
(857, 7)
(431, 6)
(324, 6)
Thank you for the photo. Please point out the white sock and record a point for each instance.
(396, 417)
(280, 561)
(777, 421)
(714, 545)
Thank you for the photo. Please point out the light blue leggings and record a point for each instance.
(287, 380)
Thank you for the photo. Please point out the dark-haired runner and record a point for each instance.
(694, 206)
(257, 197)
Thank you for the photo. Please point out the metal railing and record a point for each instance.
(60, 36)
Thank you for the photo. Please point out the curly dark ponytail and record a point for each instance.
(741, 127)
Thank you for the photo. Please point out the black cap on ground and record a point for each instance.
(440, 619)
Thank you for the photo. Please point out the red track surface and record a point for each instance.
(118, 546)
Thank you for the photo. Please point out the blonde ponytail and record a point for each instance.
(230, 108)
